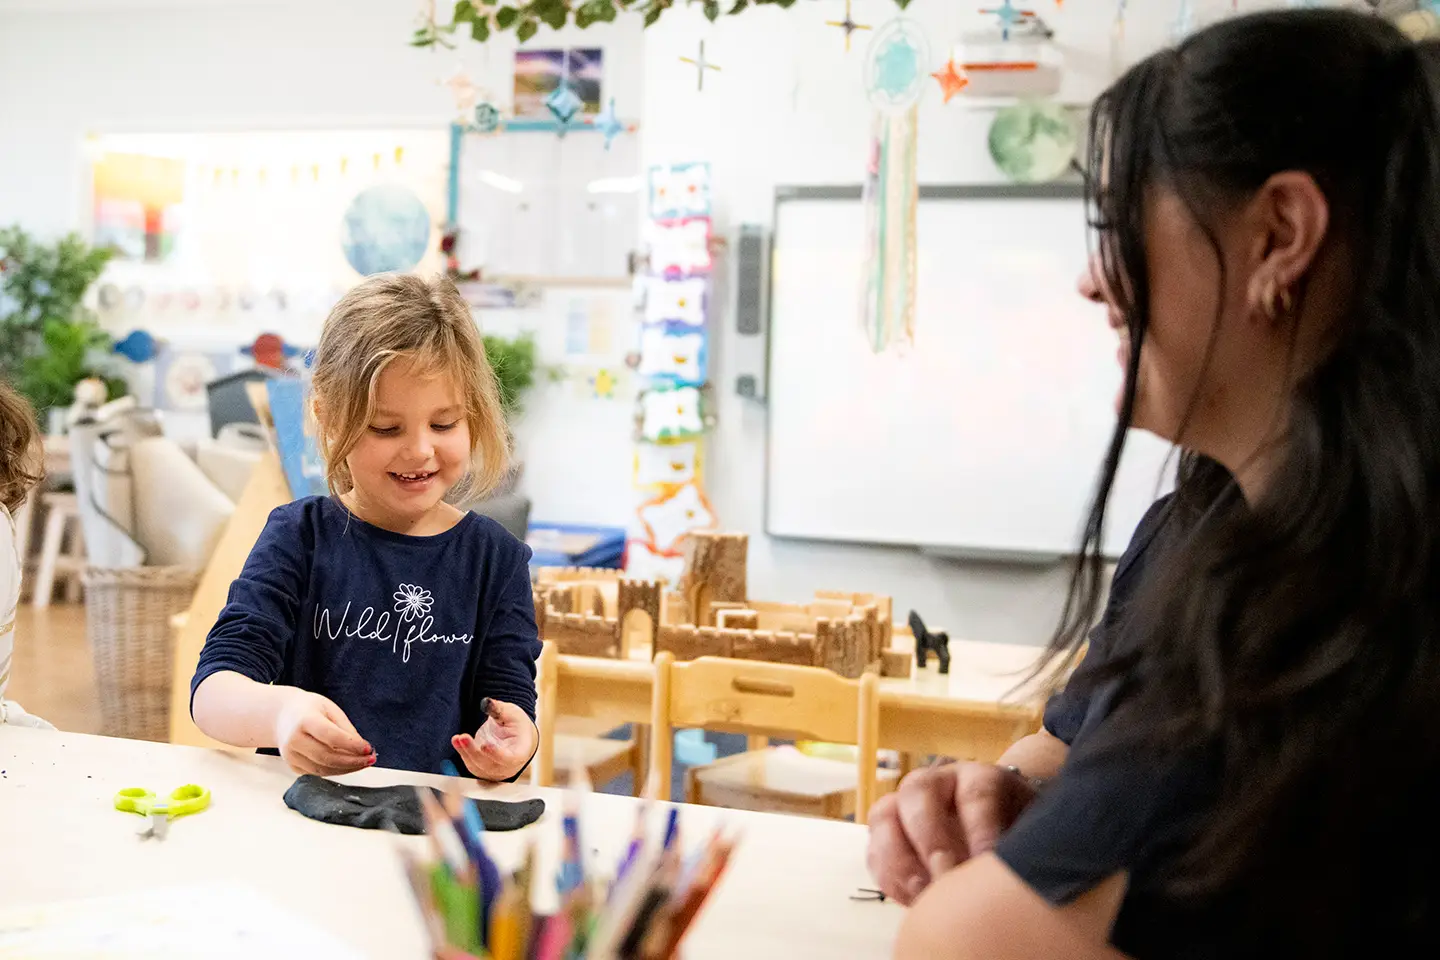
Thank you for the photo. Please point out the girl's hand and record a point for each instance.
(315, 736)
(503, 745)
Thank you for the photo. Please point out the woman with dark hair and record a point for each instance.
(1255, 766)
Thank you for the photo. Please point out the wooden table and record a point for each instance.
(973, 713)
(786, 894)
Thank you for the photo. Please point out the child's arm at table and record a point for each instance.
(503, 746)
(233, 696)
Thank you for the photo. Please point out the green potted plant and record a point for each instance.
(515, 367)
(49, 341)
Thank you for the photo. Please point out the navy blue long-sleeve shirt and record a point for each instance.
(406, 634)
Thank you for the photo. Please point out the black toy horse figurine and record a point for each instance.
(925, 641)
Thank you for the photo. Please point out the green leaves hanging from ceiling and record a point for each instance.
(482, 19)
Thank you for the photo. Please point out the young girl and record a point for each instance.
(1253, 766)
(382, 624)
(19, 472)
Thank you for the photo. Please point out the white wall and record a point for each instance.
(788, 108)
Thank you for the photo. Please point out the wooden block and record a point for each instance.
(897, 663)
(735, 618)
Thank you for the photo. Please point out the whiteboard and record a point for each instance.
(987, 435)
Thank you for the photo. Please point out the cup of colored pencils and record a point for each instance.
(474, 911)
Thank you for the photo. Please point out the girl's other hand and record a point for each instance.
(502, 746)
(315, 736)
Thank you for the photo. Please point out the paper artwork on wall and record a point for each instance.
(385, 230)
(671, 414)
(540, 75)
(680, 248)
(180, 378)
(680, 191)
(667, 464)
(138, 204)
(600, 383)
(676, 301)
(669, 517)
(642, 562)
(674, 356)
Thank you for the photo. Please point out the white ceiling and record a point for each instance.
(118, 6)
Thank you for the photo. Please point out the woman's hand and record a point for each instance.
(315, 736)
(502, 746)
(938, 819)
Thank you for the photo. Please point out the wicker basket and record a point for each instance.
(127, 613)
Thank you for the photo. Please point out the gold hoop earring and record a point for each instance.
(1287, 302)
(1269, 301)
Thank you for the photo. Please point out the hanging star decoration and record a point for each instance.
(848, 25)
(563, 104)
(609, 125)
(463, 89)
(952, 79)
(1010, 17)
(701, 65)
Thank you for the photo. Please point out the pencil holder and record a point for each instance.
(473, 911)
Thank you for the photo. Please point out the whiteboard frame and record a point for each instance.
(1068, 188)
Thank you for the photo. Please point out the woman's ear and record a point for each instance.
(1292, 219)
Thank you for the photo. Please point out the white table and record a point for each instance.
(786, 894)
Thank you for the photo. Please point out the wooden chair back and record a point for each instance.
(594, 688)
(766, 699)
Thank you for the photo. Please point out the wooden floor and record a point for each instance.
(52, 675)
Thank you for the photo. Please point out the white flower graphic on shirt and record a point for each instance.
(412, 601)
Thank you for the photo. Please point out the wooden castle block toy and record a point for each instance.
(602, 613)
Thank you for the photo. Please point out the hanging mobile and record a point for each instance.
(563, 104)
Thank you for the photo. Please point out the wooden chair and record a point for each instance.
(57, 559)
(771, 700)
(569, 743)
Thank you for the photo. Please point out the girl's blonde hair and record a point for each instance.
(21, 463)
(426, 322)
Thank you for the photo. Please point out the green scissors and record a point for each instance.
(182, 801)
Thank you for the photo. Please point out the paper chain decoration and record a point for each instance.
(673, 358)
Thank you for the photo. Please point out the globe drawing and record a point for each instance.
(386, 228)
(1032, 142)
